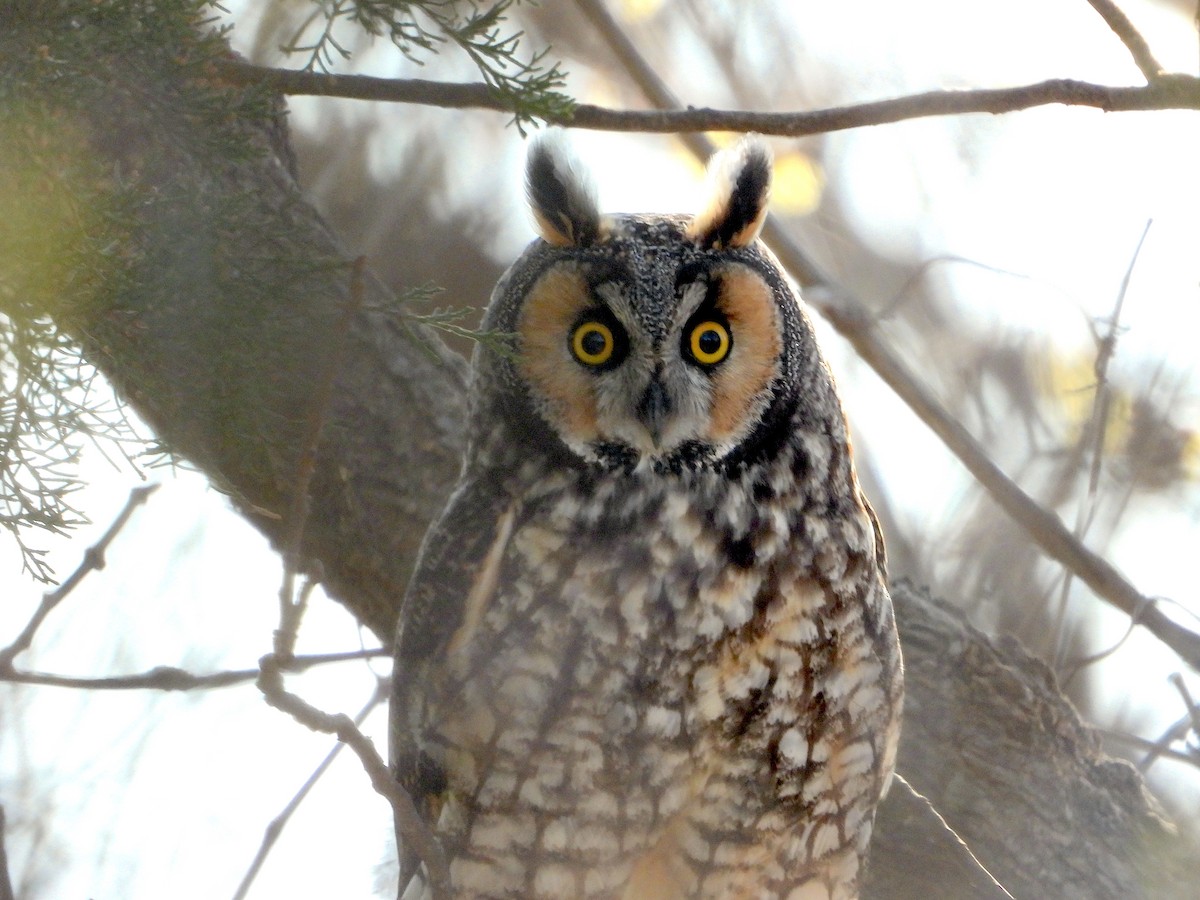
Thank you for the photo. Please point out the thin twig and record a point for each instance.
(272, 666)
(170, 678)
(93, 560)
(1130, 37)
(1142, 743)
(1172, 91)
(1046, 529)
(1189, 704)
(6, 890)
(855, 323)
(292, 609)
(1162, 747)
(1078, 665)
(423, 842)
(1097, 429)
(275, 827)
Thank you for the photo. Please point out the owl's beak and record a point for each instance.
(653, 409)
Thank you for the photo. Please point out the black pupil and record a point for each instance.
(709, 341)
(594, 343)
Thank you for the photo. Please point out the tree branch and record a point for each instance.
(987, 739)
(1166, 92)
(292, 608)
(1130, 37)
(93, 560)
(275, 827)
(171, 678)
(424, 843)
(6, 890)
(1046, 529)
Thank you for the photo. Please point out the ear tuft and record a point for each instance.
(739, 185)
(561, 194)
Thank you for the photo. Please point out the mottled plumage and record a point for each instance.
(649, 651)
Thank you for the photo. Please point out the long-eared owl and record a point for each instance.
(648, 651)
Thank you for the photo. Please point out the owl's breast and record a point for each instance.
(645, 659)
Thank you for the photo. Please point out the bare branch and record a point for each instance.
(1162, 747)
(1097, 430)
(170, 678)
(1165, 92)
(1046, 529)
(1130, 37)
(275, 827)
(6, 890)
(1193, 711)
(1156, 748)
(93, 560)
(423, 841)
(290, 608)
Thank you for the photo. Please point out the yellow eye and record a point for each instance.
(709, 343)
(593, 343)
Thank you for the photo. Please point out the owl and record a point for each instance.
(648, 650)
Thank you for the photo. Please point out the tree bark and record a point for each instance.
(1005, 759)
(228, 298)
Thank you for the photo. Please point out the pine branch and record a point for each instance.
(525, 85)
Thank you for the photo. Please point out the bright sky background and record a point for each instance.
(151, 796)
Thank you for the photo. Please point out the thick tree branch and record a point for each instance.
(981, 767)
(1166, 92)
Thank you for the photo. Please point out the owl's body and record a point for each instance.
(649, 650)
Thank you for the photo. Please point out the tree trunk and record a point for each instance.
(221, 303)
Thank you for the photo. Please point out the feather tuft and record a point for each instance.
(739, 186)
(561, 194)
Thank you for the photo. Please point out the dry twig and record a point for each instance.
(291, 608)
(1155, 748)
(1193, 711)
(414, 829)
(171, 678)
(6, 890)
(275, 827)
(93, 560)
(1097, 430)
(272, 666)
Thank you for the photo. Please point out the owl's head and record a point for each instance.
(673, 340)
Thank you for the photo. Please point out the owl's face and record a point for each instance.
(647, 338)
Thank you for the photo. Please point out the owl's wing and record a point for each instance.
(454, 579)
